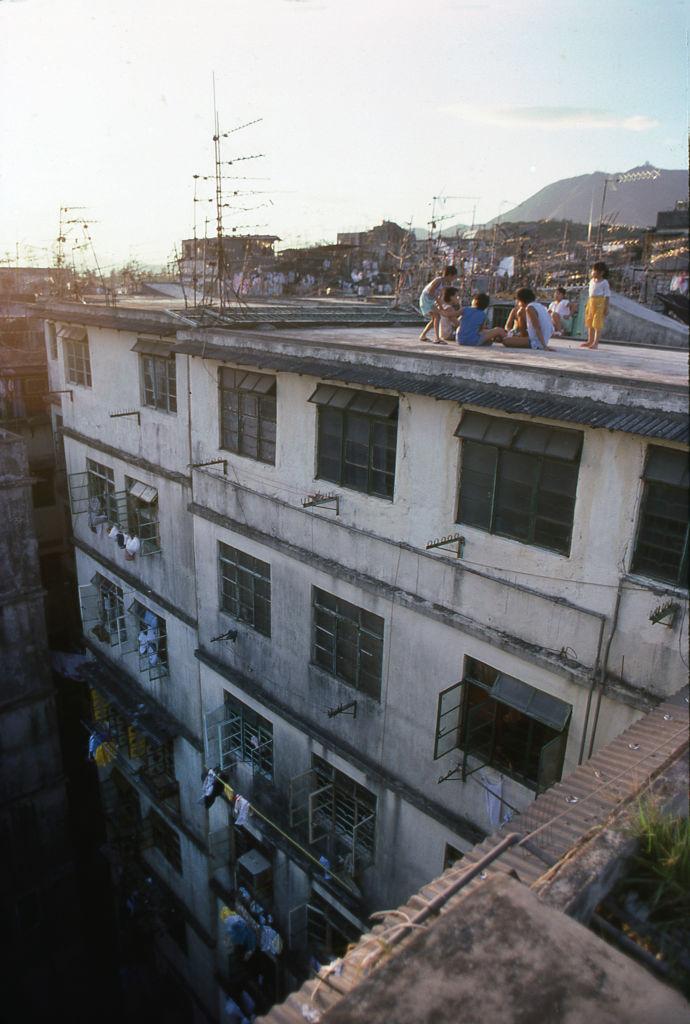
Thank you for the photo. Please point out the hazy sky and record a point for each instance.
(369, 107)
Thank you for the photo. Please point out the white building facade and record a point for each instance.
(388, 596)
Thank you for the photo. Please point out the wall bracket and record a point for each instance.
(665, 614)
(62, 391)
(128, 412)
(344, 709)
(447, 542)
(212, 462)
(323, 501)
(452, 774)
(231, 634)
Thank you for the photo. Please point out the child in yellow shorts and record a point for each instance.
(597, 306)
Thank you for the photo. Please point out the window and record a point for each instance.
(75, 345)
(100, 481)
(166, 840)
(357, 439)
(246, 737)
(519, 479)
(149, 633)
(505, 723)
(245, 588)
(248, 414)
(348, 642)
(159, 382)
(103, 610)
(336, 814)
(451, 856)
(661, 548)
(142, 515)
(43, 491)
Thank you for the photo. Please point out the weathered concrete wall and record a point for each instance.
(629, 321)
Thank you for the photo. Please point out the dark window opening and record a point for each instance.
(245, 588)
(519, 479)
(357, 439)
(248, 414)
(503, 723)
(661, 547)
(347, 642)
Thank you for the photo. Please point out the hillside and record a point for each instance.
(634, 202)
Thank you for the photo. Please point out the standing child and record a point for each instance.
(449, 308)
(472, 330)
(597, 306)
(428, 301)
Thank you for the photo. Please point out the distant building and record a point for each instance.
(378, 241)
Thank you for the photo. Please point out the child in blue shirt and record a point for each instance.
(472, 320)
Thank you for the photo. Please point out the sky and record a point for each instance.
(368, 108)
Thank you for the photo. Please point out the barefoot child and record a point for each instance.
(428, 301)
(538, 325)
(449, 308)
(472, 330)
(597, 306)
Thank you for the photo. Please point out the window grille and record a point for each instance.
(347, 642)
(661, 546)
(357, 438)
(336, 814)
(148, 638)
(505, 723)
(519, 479)
(245, 588)
(143, 516)
(236, 733)
(103, 610)
(248, 414)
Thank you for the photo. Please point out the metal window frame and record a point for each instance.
(163, 385)
(161, 668)
(246, 579)
(263, 386)
(77, 361)
(166, 840)
(345, 414)
(455, 709)
(681, 577)
(228, 733)
(536, 487)
(91, 599)
(536, 783)
(338, 616)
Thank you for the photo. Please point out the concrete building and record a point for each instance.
(42, 963)
(389, 592)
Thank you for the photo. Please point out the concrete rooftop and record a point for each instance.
(501, 956)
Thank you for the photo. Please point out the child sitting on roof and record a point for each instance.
(449, 308)
(472, 320)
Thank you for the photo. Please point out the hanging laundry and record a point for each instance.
(270, 941)
(237, 931)
(120, 539)
(100, 750)
(113, 532)
(326, 865)
(242, 810)
(212, 787)
(132, 546)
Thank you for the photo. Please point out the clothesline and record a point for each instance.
(231, 795)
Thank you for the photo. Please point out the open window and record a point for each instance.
(319, 929)
(93, 491)
(499, 721)
(148, 638)
(103, 611)
(335, 814)
(235, 733)
(142, 515)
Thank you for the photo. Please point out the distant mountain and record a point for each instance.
(632, 202)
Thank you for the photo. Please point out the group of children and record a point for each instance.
(529, 325)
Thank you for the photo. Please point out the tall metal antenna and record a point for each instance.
(63, 230)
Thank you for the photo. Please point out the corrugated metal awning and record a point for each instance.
(525, 698)
(667, 467)
(70, 333)
(143, 492)
(669, 426)
(366, 402)
(154, 347)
